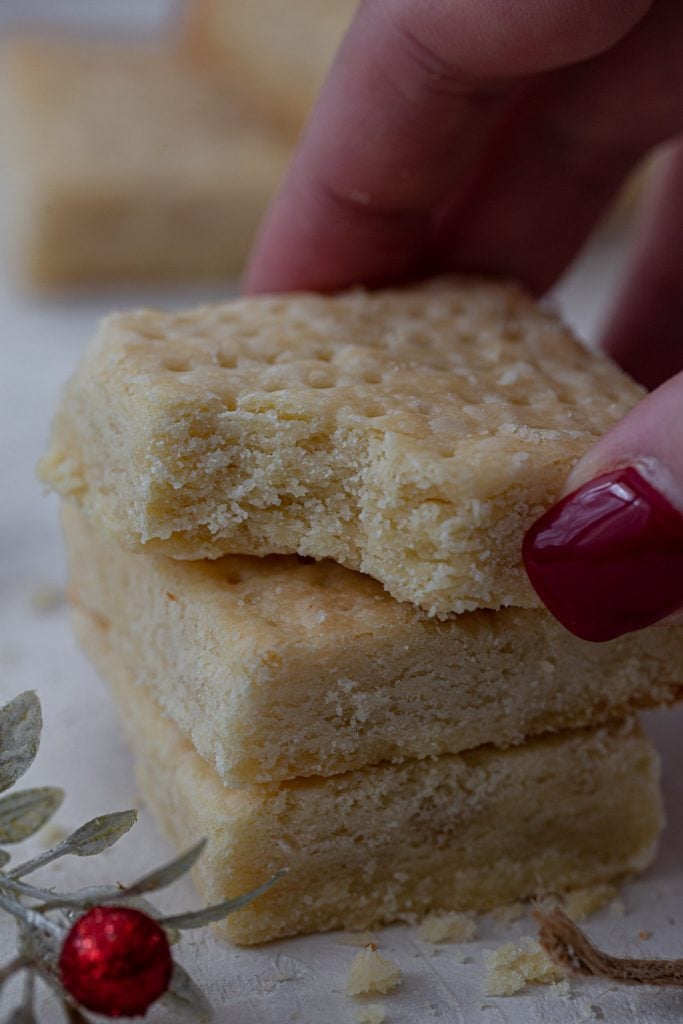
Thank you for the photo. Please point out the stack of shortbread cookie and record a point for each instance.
(390, 717)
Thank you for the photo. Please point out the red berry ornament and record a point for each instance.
(116, 961)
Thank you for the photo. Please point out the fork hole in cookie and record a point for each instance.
(177, 364)
(372, 377)
(151, 334)
(226, 360)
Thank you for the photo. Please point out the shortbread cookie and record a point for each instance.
(411, 434)
(460, 832)
(131, 163)
(276, 668)
(280, 50)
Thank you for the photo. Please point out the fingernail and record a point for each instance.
(608, 558)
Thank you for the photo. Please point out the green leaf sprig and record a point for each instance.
(44, 916)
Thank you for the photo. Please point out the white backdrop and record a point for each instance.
(146, 15)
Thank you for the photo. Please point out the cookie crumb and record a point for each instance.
(370, 972)
(453, 927)
(560, 988)
(513, 966)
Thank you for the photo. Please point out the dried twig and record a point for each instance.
(569, 947)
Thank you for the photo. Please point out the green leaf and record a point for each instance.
(185, 997)
(75, 904)
(99, 833)
(200, 918)
(20, 725)
(167, 873)
(154, 880)
(92, 838)
(81, 900)
(23, 813)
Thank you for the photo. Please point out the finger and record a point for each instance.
(645, 334)
(405, 112)
(608, 558)
(564, 151)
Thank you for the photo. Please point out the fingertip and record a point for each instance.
(497, 38)
(647, 437)
(607, 559)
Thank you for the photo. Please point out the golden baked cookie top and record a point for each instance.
(412, 434)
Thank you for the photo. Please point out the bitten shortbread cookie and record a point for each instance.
(281, 50)
(276, 668)
(131, 163)
(412, 434)
(462, 832)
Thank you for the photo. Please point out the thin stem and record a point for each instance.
(11, 968)
(199, 918)
(72, 1012)
(84, 898)
(24, 889)
(570, 948)
(30, 917)
(37, 862)
(29, 990)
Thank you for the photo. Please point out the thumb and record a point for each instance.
(607, 559)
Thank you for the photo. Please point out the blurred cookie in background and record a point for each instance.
(134, 162)
(281, 51)
(131, 162)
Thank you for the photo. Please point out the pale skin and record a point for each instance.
(490, 135)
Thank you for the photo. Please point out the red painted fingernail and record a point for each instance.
(608, 558)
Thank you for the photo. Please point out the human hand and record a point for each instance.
(484, 135)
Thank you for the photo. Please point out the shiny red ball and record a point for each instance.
(116, 961)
